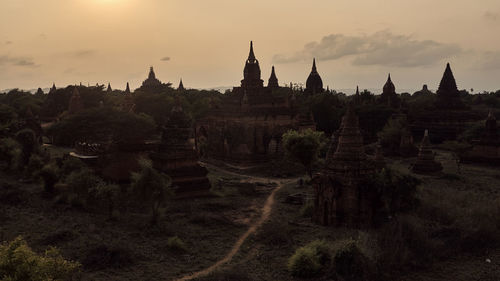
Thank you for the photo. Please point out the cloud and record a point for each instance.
(381, 48)
(492, 16)
(165, 59)
(8, 42)
(16, 61)
(488, 61)
(83, 53)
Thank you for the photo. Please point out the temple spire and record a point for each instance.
(314, 65)
(181, 86)
(152, 74)
(127, 90)
(251, 55)
(273, 80)
(109, 90)
(448, 82)
(53, 89)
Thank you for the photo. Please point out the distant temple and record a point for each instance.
(128, 104)
(487, 149)
(177, 157)
(246, 127)
(75, 103)
(181, 86)
(109, 90)
(448, 96)
(389, 95)
(426, 163)
(314, 84)
(449, 117)
(341, 198)
(152, 84)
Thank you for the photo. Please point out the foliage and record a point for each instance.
(102, 125)
(390, 135)
(151, 187)
(35, 164)
(309, 260)
(307, 209)
(71, 164)
(29, 145)
(108, 193)
(304, 147)
(81, 182)
(10, 152)
(49, 174)
(176, 244)
(19, 263)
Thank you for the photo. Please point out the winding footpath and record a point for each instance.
(265, 213)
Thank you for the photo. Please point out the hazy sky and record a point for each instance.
(206, 41)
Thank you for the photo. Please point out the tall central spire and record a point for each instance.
(152, 74)
(314, 66)
(251, 55)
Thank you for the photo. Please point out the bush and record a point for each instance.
(350, 263)
(10, 152)
(109, 194)
(19, 263)
(71, 164)
(81, 182)
(49, 175)
(35, 164)
(307, 209)
(175, 244)
(309, 261)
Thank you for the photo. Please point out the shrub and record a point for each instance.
(81, 182)
(10, 152)
(35, 164)
(109, 194)
(350, 263)
(19, 263)
(49, 175)
(152, 187)
(176, 244)
(71, 164)
(309, 261)
(307, 209)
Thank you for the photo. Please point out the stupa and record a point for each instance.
(426, 163)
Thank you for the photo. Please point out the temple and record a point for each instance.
(448, 96)
(152, 84)
(487, 149)
(181, 86)
(75, 103)
(449, 117)
(314, 84)
(340, 195)
(128, 104)
(273, 80)
(246, 127)
(109, 90)
(177, 157)
(426, 164)
(389, 95)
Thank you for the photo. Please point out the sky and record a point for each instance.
(206, 42)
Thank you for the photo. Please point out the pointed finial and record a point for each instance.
(314, 65)
(181, 85)
(251, 55)
(389, 78)
(357, 90)
(127, 90)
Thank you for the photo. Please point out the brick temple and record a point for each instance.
(246, 127)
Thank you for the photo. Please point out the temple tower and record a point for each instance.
(389, 95)
(273, 80)
(426, 164)
(109, 90)
(314, 83)
(251, 72)
(128, 104)
(177, 158)
(75, 103)
(181, 86)
(448, 96)
(53, 89)
(340, 196)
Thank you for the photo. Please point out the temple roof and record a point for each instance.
(181, 86)
(314, 83)
(127, 90)
(251, 72)
(389, 87)
(109, 88)
(273, 80)
(448, 82)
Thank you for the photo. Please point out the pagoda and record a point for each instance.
(177, 157)
(340, 197)
(128, 104)
(314, 83)
(246, 127)
(273, 80)
(181, 86)
(152, 84)
(109, 90)
(426, 164)
(75, 102)
(389, 96)
(487, 149)
(448, 117)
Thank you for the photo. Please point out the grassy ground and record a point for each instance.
(128, 248)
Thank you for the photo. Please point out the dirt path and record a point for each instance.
(266, 211)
